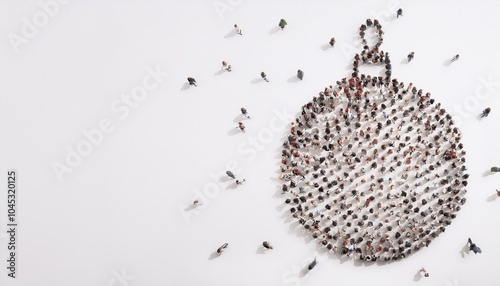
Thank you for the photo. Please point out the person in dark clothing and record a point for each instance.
(486, 112)
(241, 126)
(455, 58)
(282, 24)
(411, 56)
(473, 247)
(226, 66)
(192, 81)
(312, 265)
(399, 12)
(230, 174)
(244, 112)
(300, 74)
(267, 245)
(264, 76)
(222, 248)
(332, 42)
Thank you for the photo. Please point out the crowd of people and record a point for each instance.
(373, 168)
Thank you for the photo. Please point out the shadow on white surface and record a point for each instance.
(465, 250)
(232, 33)
(221, 71)
(293, 79)
(213, 255)
(274, 30)
(492, 198)
(234, 131)
(326, 47)
(257, 80)
(186, 86)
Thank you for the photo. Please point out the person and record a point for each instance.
(244, 112)
(399, 13)
(282, 24)
(300, 74)
(455, 58)
(197, 203)
(312, 265)
(226, 66)
(264, 76)
(424, 272)
(332, 42)
(498, 192)
(222, 248)
(238, 182)
(230, 174)
(411, 56)
(267, 245)
(473, 247)
(241, 126)
(237, 29)
(192, 81)
(486, 112)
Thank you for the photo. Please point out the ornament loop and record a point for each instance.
(372, 55)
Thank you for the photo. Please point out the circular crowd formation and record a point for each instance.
(373, 168)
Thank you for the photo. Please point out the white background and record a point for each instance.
(122, 209)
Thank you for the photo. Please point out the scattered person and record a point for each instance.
(424, 272)
(498, 192)
(486, 112)
(312, 265)
(455, 58)
(237, 29)
(300, 74)
(226, 66)
(411, 56)
(264, 76)
(222, 248)
(192, 81)
(244, 112)
(267, 245)
(473, 247)
(238, 183)
(197, 203)
(230, 174)
(399, 12)
(241, 126)
(282, 24)
(332, 42)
